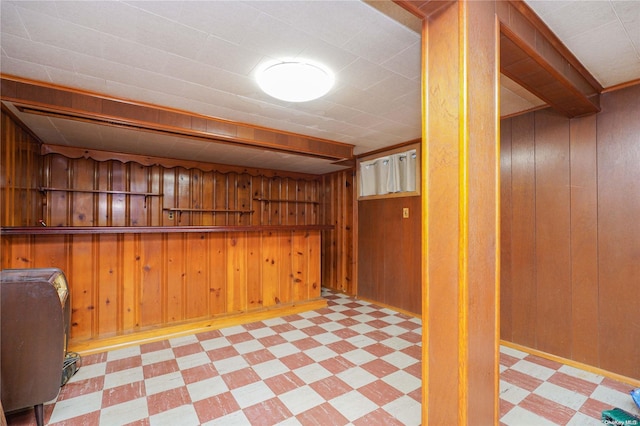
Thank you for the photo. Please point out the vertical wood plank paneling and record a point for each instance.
(151, 265)
(393, 260)
(222, 191)
(208, 191)
(523, 230)
(254, 272)
(618, 135)
(218, 274)
(244, 198)
(169, 197)
(553, 239)
(138, 204)
(129, 280)
(22, 173)
(122, 283)
(183, 195)
(196, 276)
(584, 240)
(195, 195)
(174, 272)
(338, 250)
(118, 202)
(236, 271)
(271, 268)
(286, 269)
(602, 230)
(106, 255)
(314, 274)
(82, 177)
(58, 204)
(328, 236)
(155, 214)
(257, 190)
(101, 182)
(506, 288)
(299, 278)
(84, 287)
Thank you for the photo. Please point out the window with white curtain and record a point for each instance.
(392, 174)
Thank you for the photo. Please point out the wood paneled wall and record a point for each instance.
(389, 268)
(570, 269)
(338, 259)
(124, 282)
(20, 171)
(127, 282)
(86, 192)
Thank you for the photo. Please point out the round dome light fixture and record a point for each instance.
(295, 80)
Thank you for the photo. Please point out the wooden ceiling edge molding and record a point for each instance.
(527, 111)
(546, 32)
(72, 103)
(621, 86)
(395, 147)
(146, 160)
(424, 9)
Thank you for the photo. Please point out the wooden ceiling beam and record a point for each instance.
(62, 102)
(532, 56)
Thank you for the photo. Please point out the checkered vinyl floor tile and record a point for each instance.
(352, 363)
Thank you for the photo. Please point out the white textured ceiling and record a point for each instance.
(603, 34)
(199, 56)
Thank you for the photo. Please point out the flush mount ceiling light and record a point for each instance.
(294, 80)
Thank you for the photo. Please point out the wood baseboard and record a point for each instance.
(88, 347)
(590, 368)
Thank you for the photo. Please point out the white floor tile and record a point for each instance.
(252, 394)
(123, 377)
(125, 413)
(353, 405)
(405, 409)
(532, 369)
(566, 397)
(301, 399)
(157, 356)
(512, 393)
(185, 415)
(520, 417)
(207, 388)
(73, 407)
(163, 383)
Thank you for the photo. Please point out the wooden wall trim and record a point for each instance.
(70, 230)
(146, 160)
(47, 99)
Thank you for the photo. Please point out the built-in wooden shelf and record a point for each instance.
(99, 191)
(57, 230)
(180, 209)
(282, 200)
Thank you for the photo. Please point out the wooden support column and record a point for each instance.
(461, 215)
